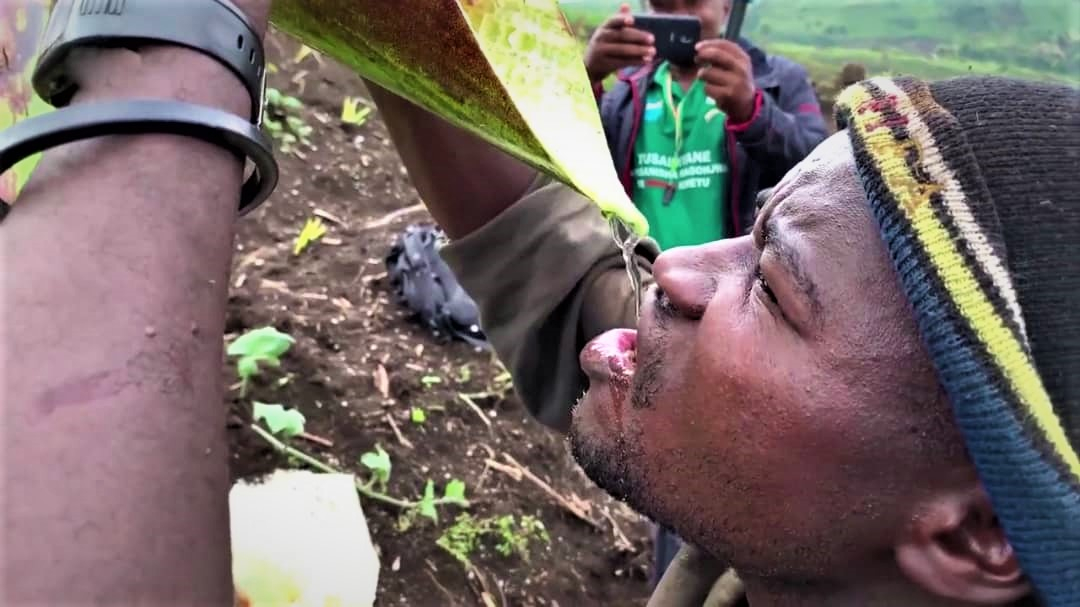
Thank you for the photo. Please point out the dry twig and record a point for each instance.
(397, 432)
(476, 409)
(391, 217)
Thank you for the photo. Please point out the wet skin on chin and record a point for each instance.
(777, 389)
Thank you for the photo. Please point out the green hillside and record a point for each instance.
(1038, 39)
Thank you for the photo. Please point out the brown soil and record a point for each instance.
(334, 300)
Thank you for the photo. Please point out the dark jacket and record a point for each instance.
(786, 124)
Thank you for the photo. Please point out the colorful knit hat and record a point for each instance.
(975, 186)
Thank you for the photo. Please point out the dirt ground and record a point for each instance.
(353, 343)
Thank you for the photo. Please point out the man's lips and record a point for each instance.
(611, 357)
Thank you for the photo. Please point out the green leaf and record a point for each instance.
(354, 112)
(418, 415)
(426, 507)
(313, 230)
(264, 345)
(247, 367)
(292, 103)
(430, 380)
(265, 342)
(454, 493)
(287, 422)
(378, 461)
(464, 374)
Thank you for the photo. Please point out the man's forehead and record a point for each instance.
(823, 186)
(831, 158)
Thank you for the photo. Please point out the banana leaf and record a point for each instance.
(509, 71)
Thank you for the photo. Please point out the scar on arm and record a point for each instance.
(168, 371)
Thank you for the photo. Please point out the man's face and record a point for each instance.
(712, 13)
(775, 404)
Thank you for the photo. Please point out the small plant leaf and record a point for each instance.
(378, 461)
(464, 374)
(454, 493)
(354, 112)
(246, 367)
(426, 507)
(418, 415)
(292, 103)
(263, 345)
(286, 422)
(266, 342)
(430, 380)
(313, 230)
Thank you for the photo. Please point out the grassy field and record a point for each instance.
(1036, 39)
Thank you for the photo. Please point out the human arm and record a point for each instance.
(536, 257)
(116, 256)
(616, 44)
(782, 131)
(776, 133)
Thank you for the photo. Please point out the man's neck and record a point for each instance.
(684, 75)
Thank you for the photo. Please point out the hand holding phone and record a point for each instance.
(618, 44)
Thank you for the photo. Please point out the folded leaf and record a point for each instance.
(509, 71)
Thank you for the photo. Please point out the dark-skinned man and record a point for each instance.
(869, 400)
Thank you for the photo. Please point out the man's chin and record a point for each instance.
(607, 455)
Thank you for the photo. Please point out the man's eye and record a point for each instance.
(764, 284)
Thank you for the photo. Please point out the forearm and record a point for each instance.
(464, 181)
(115, 257)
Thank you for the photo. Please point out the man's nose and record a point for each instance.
(689, 276)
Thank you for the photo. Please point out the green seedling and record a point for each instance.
(515, 539)
(506, 533)
(378, 462)
(430, 380)
(453, 493)
(464, 374)
(284, 122)
(418, 415)
(281, 421)
(354, 111)
(313, 230)
(265, 345)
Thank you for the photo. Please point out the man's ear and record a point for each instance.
(954, 547)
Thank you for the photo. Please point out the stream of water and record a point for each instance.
(627, 241)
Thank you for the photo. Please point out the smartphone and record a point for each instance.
(676, 36)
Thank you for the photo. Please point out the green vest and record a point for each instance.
(680, 170)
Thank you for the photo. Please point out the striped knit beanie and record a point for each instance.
(975, 186)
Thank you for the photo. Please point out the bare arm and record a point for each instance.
(115, 260)
(463, 190)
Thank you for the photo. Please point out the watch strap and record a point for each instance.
(214, 27)
(139, 117)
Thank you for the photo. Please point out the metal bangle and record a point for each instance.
(141, 117)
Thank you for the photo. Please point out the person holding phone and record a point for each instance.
(697, 128)
(695, 140)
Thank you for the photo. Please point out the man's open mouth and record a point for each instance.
(611, 357)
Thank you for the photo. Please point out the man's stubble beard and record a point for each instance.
(615, 464)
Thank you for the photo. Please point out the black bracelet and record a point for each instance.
(214, 27)
(141, 117)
